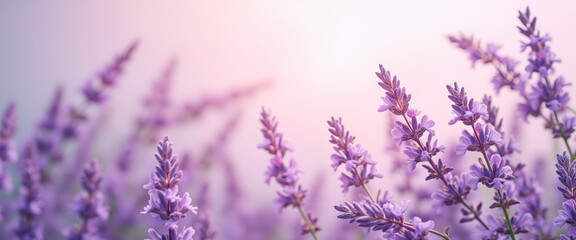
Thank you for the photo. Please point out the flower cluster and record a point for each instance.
(165, 203)
(358, 162)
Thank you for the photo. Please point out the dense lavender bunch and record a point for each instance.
(90, 204)
(286, 175)
(529, 193)
(31, 205)
(360, 167)
(94, 91)
(165, 203)
(387, 217)
(8, 150)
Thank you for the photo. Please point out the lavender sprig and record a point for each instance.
(541, 60)
(566, 171)
(495, 172)
(388, 218)
(165, 203)
(94, 91)
(292, 193)
(31, 205)
(90, 204)
(358, 162)
(567, 216)
(410, 133)
(8, 150)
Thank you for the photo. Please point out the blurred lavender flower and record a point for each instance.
(529, 193)
(30, 206)
(47, 137)
(410, 132)
(292, 193)
(567, 216)
(90, 205)
(205, 227)
(387, 217)
(568, 126)
(165, 203)
(498, 228)
(8, 150)
(358, 162)
(94, 93)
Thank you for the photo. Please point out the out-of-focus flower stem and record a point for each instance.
(572, 157)
(307, 220)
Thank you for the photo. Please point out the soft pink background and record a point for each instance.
(322, 56)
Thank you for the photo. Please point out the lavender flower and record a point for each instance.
(30, 206)
(466, 111)
(358, 162)
(410, 133)
(292, 193)
(494, 176)
(568, 127)
(567, 216)
(566, 171)
(396, 99)
(487, 137)
(498, 228)
(165, 203)
(8, 150)
(95, 94)
(90, 204)
(47, 137)
(387, 217)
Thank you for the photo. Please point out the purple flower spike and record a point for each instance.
(90, 204)
(359, 165)
(30, 206)
(387, 217)
(566, 172)
(8, 150)
(466, 111)
(165, 203)
(110, 74)
(498, 228)
(292, 193)
(568, 125)
(567, 216)
(396, 99)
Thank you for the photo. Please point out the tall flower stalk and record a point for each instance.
(90, 204)
(8, 152)
(165, 203)
(31, 205)
(286, 176)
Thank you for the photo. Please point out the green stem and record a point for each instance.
(307, 220)
(439, 234)
(571, 110)
(564, 137)
(510, 229)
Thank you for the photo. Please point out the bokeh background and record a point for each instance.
(319, 55)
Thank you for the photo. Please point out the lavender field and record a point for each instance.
(287, 120)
